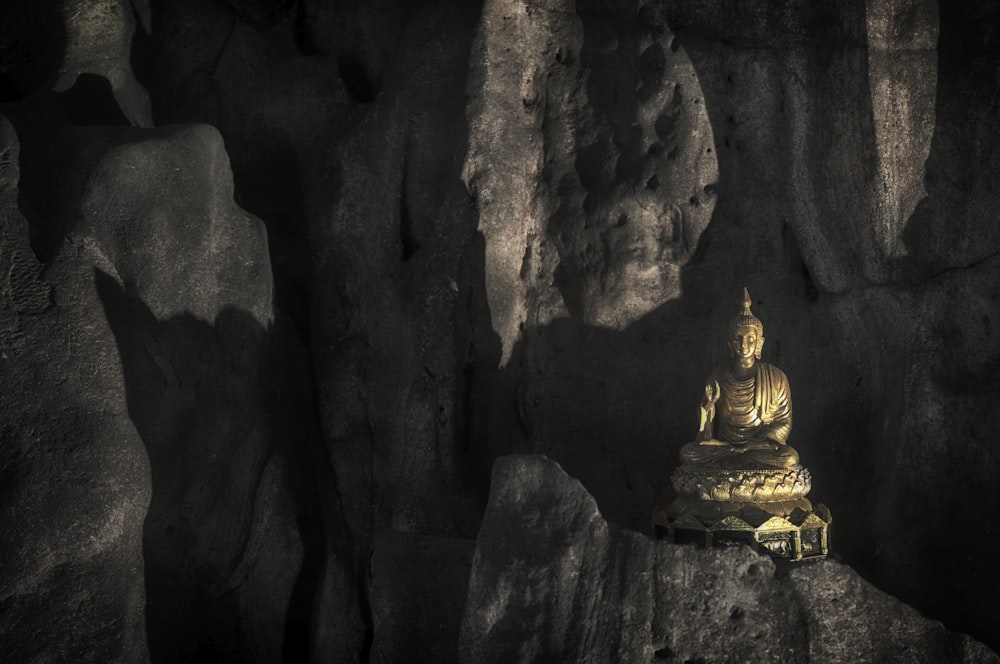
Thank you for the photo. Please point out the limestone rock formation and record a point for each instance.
(75, 474)
(158, 336)
(372, 245)
(553, 581)
(590, 159)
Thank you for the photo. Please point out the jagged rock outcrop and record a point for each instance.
(553, 581)
(161, 312)
(75, 474)
(591, 161)
(187, 290)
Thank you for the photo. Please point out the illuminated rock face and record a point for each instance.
(590, 160)
(430, 180)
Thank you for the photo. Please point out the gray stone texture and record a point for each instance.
(553, 581)
(75, 475)
(140, 386)
(281, 276)
(418, 591)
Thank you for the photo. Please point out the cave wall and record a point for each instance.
(283, 277)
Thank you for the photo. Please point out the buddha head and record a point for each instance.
(746, 333)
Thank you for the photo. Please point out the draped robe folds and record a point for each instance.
(766, 414)
(751, 423)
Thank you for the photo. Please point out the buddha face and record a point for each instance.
(746, 342)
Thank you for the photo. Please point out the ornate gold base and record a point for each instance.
(749, 486)
(801, 536)
(766, 509)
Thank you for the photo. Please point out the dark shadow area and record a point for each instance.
(269, 186)
(234, 539)
(950, 238)
(32, 44)
(262, 14)
(90, 102)
(953, 226)
(357, 79)
(309, 106)
(63, 135)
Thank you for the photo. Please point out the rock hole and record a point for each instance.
(407, 239)
(675, 45)
(753, 570)
(652, 59)
(8, 90)
(709, 189)
(735, 613)
(812, 293)
(356, 79)
(694, 201)
(666, 124)
(662, 654)
(655, 149)
(653, 183)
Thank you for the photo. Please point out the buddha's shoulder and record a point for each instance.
(774, 372)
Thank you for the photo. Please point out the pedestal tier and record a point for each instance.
(748, 486)
(766, 508)
(802, 535)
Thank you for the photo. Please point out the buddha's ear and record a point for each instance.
(760, 345)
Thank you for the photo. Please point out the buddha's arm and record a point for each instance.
(706, 428)
(778, 431)
(780, 409)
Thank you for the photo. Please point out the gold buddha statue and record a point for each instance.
(746, 414)
(740, 480)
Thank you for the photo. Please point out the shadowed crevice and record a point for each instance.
(233, 540)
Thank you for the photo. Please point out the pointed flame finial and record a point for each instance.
(745, 317)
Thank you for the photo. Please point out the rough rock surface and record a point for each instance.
(418, 589)
(180, 361)
(553, 581)
(74, 472)
(195, 347)
(591, 161)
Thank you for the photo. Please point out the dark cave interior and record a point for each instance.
(284, 279)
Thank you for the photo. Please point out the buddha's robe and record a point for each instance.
(759, 408)
(751, 423)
